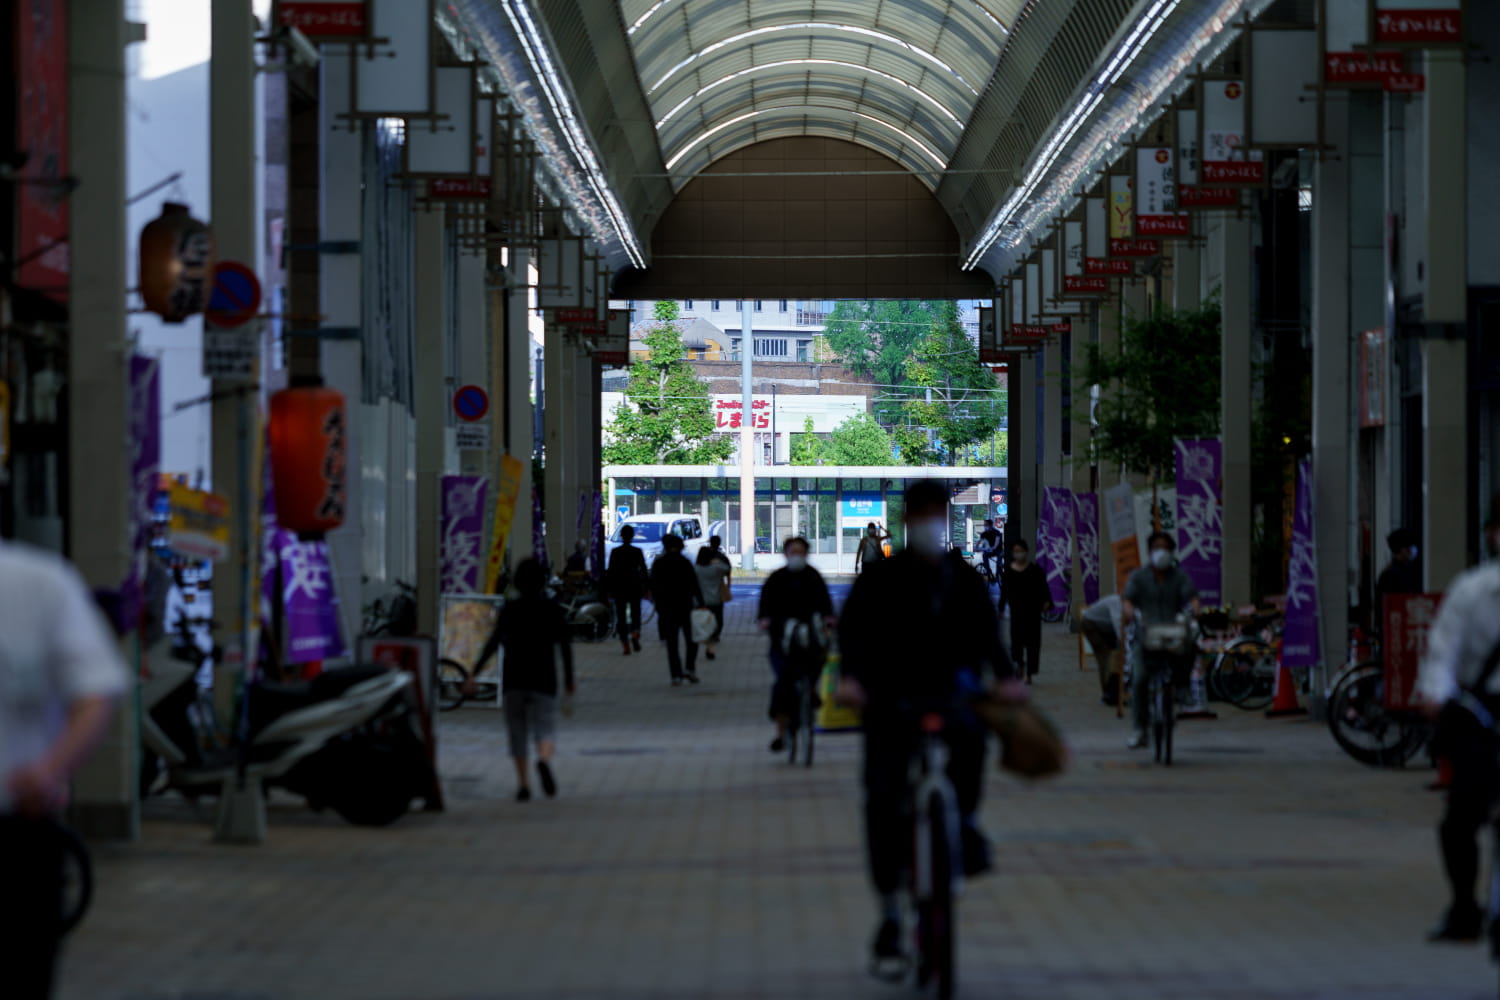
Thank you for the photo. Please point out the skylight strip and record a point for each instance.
(704, 136)
(809, 62)
(662, 3)
(812, 26)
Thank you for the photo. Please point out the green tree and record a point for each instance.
(1162, 383)
(960, 400)
(860, 440)
(666, 418)
(876, 339)
(807, 447)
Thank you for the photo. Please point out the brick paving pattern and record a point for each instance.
(684, 862)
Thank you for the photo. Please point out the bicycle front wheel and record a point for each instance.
(1363, 728)
(1244, 674)
(451, 678)
(935, 925)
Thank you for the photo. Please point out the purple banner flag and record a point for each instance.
(1299, 640)
(145, 474)
(597, 535)
(463, 534)
(309, 605)
(1054, 541)
(1200, 516)
(1086, 526)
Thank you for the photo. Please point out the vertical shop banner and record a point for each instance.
(1121, 208)
(1086, 527)
(507, 495)
(1054, 541)
(1299, 640)
(1156, 212)
(297, 588)
(463, 533)
(1119, 516)
(1285, 106)
(1200, 515)
(145, 473)
(1226, 159)
(41, 130)
(1407, 620)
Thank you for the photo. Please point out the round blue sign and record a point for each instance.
(1001, 509)
(471, 403)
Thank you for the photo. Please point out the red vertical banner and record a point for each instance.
(42, 136)
(1407, 620)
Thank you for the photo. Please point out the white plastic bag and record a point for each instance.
(702, 624)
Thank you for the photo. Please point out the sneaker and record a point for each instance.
(887, 943)
(1458, 926)
(677, 682)
(778, 745)
(709, 653)
(692, 678)
(1137, 741)
(549, 783)
(523, 794)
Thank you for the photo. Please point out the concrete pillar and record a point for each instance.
(340, 220)
(558, 415)
(474, 348)
(1187, 268)
(1080, 469)
(104, 790)
(1229, 245)
(516, 398)
(1137, 302)
(1052, 414)
(429, 406)
(1331, 340)
(1024, 487)
(1448, 524)
(1107, 473)
(232, 183)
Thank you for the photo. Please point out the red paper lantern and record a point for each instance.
(177, 263)
(308, 435)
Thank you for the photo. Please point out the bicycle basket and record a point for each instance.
(1172, 637)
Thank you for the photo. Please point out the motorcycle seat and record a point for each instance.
(270, 701)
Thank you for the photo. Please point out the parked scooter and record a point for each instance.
(346, 740)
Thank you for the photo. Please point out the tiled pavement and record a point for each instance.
(682, 862)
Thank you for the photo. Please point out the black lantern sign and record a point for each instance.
(177, 263)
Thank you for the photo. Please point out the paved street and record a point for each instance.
(683, 862)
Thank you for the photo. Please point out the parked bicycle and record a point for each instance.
(1244, 671)
(1365, 728)
(936, 873)
(393, 615)
(454, 688)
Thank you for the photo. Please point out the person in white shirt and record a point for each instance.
(1459, 683)
(1100, 623)
(60, 675)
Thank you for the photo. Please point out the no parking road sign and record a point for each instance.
(235, 298)
(471, 403)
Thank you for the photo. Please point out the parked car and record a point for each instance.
(650, 529)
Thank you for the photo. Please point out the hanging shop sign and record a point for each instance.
(176, 262)
(1052, 300)
(1121, 208)
(394, 78)
(1191, 196)
(1033, 275)
(41, 129)
(560, 274)
(1075, 283)
(325, 20)
(1348, 61)
(1284, 107)
(1155, 189)
(1404, 83)
(1227, 160)
(1129, 249)
(308, 434)
(197, 523)
(613, 349)
(1418, 23)
(1096, 262)
(1373, 369)
(443, 145)
(1015, 299)
(989, 337)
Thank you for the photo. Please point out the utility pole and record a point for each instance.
(773, 423)
(747, 441)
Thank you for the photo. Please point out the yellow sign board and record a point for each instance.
(198, 523)
(509, 491)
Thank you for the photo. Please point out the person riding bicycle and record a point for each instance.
(1459, 684)
(990, 546)
(61, 675)
(1155, 594)
(627, 581)
(792, 595)
(871, 548)
(917, 629)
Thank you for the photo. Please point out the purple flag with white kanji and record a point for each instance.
(1200, 516)
(1086, 528)
(1054, 541)
(1299, 640)
(463, 534)
(309, 603)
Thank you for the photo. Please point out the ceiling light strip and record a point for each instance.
(809, 62)
(813, 26)
(553, 88)
(798, 109)
(662, 3)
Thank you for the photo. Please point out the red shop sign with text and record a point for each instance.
(1106, 267)
(324, 18)
(1134, 248)
(1419, 27)
(1189, 196)
(1162, 225)
(1060, 327)
(1076, 285)
(459, 187)
(1028, 332)
(1405, 83)
(1234, 171)
(729, 414)
(1360, 67)
(1408, 618)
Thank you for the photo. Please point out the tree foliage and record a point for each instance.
(1162, 384)
(859, 440)
(666, 418)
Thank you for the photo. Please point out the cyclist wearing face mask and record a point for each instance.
(794, 593)
(1459, 685)
(917, 629)
(1155, 594)
(1023, 588)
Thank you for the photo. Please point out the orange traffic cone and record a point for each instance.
(1285, 700)
(1444, 776)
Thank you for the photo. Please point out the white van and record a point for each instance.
(650, 529)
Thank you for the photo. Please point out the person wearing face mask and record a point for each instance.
(918, 629)
(1155, 594)
(1024, 590)
(1402, 575)
(1459, 686)
(794, 593)
(871, 548)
